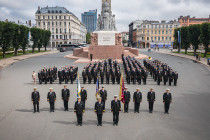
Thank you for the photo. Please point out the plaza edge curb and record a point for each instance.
(25, 57)
(208, 67)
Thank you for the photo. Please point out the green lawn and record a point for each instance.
(192, 53)
(20, 53)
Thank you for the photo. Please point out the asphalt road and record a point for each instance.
(189, 117)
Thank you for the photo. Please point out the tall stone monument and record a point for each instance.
(106, 41)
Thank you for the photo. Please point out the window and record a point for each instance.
(56, 30)
(52, 36)
(159, 31)
(60, 17)
(52, 17)
(48, 17)
(39, 23)
(147, 31)
(52, 23)
(170, 26)
(64, 17)
(166, 31)
(170, 32)
(162, 31)
(69, 36)
(43, 17)
(60, 36)
(152, 31)
(152, 26)
(60, 30)
(155, 38)
(163, 26)
(163, 38)
(64, 23)
(152, 38)
(52, 30)
(155, 31)
(56, 23)
(147, 26)
(38, 17)
(147, 38)
(166, 38)
(69, 30)
(169, 38)
(69, 23)
(155, 26)
(44, 23)
(60, 23)
(158, 38)
(56, 36)
(56, 17)
(49, 23)
(159, 26)
(65, 30)
(166, 26)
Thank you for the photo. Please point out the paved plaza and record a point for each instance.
(188, 118)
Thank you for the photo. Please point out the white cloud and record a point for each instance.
(125, 10)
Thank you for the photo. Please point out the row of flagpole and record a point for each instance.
(121, 92)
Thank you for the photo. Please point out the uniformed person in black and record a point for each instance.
(137, 98)
(40, 77)
(103, 95)
(79, 109)
(83, 95)
(99, 110)
(51, 98)
(65, 97)
(84, 75)
(35, 97)
(167, 100)
(115, 108)
(165, 78)
(151, 99)
(60, 76)
(127, 98)
(175, 78)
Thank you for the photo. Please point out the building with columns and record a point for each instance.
(65, 27)
(152, 34)
(187, 20)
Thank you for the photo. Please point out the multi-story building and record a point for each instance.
(156, 34)
(187, 20)
(65, 27)
(125, 38)
(132, 27)
(83, 32)
(90, 20)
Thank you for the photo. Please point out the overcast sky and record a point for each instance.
(125, 10)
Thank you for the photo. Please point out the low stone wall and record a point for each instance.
(77, 51)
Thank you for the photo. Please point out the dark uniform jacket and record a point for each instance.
(99, 108)
(103, 95)
(51, 97)
(151, 96)
(115, 106)
(79, 108)
(83, 95)
(167, 98)
(137, 97)
(65, 94)
(35, 97)
(127, 96)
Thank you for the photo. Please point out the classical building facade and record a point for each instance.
(125, 38)
(65, 27)
(152, 34)
(187, 20)
(90, 20)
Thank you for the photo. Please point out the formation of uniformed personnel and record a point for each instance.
(106, 69)
(103, 95)
(64, 74)
(134, 70)
(65, 97)
(51, 98)
(99, 110)
(167, 100)
(79, 109)
(137, 98)
(127, 98)
(151, 99)
(115, 108)
(35, 98)
(161, 72)
(83, 95)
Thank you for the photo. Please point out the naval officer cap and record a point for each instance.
(79, 97)
(115, 96)
(35, 87)
(167, 89)
(51, 88)
(126, 87)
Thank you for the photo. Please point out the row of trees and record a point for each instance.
(195, 35)
(17, 36)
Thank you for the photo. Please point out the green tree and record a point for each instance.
(1, 30)
(46, 38)
(34, 37)
(88, 38)
(24, 31)
(185, 38)
(176, 42)
(16, 38)
(194, 36)
(40, 38)
(205, 36)
(7, 36)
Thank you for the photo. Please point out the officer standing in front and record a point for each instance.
(99, 110)
(103, 95)
(83, 95)
(151, 99)
(35, 97)
(167, 100)
(115, 108)
(127, 98)
(79, 109)
(65, 97)
(137, 98)
(51, 98)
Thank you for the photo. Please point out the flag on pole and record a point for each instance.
(122, 87)
(78, 86)
(97, 89)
